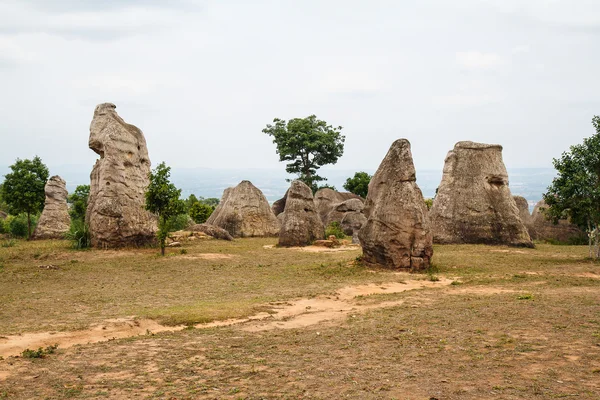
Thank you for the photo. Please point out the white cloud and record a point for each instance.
(11, 52)
(477, 60)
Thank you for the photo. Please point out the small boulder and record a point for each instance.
(55, 221)
(245, 212)
(301, 224)
(212, 231)
(396, 234)
(541, 228)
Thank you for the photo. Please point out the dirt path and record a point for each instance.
(288, 315)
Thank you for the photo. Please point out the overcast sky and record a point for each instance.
(202, 78)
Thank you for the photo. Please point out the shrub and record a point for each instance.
(429, 203)
(39, 353)
(335, 229)
(200, 212)
(179, 222)
(79, 234)
(17, 225)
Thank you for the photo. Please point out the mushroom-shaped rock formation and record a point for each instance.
(54, 221)
(396, 234)
(245, 212)
(116, 212)
(473, 203)
(301, 224)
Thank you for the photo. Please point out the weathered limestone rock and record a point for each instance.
(279, 205)
(541, 228)
(245, 212)
(55, 220)
(397, 233)
(473, 202)
(211, 230)
(340, 210)
(301, 224)
(327, 199)
(352, 223)
(523, 207)
(116, 212)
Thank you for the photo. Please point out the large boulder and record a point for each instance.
(541, 228)
(396, 234)
(279, 205)
(327, 199)
(116, 212)
(211, 230)
(55, 220)
(473, 202)
(352, 223)
(245, 212)
(301, 224)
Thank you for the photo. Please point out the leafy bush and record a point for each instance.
(78, 201)
(39, 353)
(79, 234)
(179, 222)
(358, 184)
(200, 212)
(429, 203)
(335, 229)
(17, 225)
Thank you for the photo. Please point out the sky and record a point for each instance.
(202, 78)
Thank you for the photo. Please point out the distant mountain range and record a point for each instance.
(527, 182)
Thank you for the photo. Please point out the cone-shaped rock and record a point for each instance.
(116, 212)
(54, 221)
(397, 233)
(541, 228)
(523, 207)
(301, 224)
(245, 212)
(473, 203)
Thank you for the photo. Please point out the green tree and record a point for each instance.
(78, 201)
(162, 199)
(3, 205)
(211, 201)
(575, 192)
(23, 188)
(358, 184)
(200, 212)
(190, 201)
(308, 143)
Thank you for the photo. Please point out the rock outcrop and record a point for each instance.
(327, 199)
(301, 224)
(279, 205)
(116, 212)
(473, 202)
(523, 207)
(352, 223)
(245, 212)
(397, 233)
(211, 230)
(55, 220)
(341, 209)
(540, 228)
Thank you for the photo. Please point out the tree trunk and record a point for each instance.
(28, 226)
(589, 231)
(162, 247)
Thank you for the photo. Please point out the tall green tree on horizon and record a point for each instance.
(358, 184)
(308, 144)
(575, 192)
(23, 188)
(162, 199)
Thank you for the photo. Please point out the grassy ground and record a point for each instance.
(517, 324)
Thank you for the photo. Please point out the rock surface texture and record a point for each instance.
(541, 228)
(396, 234)
(523, 207)
(326, 200)
(245, 212)
(116, 212)
(54, 221)
(301, 224)
(211, 230)
(473, 202)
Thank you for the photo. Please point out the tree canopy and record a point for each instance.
(78, 201)
(358, 184)
(308, 143)
(162, 199)
(23, 188)
(575, 192)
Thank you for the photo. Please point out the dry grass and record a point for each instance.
(522, 323)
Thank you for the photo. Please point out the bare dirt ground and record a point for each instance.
(485, 323)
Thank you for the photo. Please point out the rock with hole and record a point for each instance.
(473, 202)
